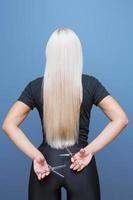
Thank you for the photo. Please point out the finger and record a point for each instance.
(37, 173)
(73, 164)
(80, 168)
(47, 173)
(78, 165)
(39, 176)
(73, 158)
(81, 163)
(42, 175)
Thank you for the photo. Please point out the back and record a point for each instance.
(93, 93)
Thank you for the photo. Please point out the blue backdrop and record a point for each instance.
(105, 30)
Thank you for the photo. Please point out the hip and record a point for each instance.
(53, 157)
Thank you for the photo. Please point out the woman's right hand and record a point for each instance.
(40, 167)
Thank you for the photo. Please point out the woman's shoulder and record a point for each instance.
(36, 81)
(90, 78)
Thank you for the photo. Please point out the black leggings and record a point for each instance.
(82, 185)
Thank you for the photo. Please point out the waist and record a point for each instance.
(80, 142)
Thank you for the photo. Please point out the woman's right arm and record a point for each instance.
(10, 126)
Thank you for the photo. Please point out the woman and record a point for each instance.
(64, 98)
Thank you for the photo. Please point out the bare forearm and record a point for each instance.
(111, 130)
(22, 142)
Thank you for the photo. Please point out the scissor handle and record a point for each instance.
(56, 167)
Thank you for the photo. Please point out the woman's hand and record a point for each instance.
(41, 167)
(81, 159)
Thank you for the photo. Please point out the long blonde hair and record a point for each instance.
(62, 88)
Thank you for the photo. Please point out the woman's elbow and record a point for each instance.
(7, 125)
(124, 120)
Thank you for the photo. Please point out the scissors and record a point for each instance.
(67, 154)
(56, 167)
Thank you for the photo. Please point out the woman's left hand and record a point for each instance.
(81, 159)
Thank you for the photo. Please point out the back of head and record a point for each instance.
(62, 88)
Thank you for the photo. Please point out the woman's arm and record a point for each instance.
(10, 126)
(119, 121)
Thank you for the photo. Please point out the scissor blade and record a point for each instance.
(57, 173)
(69, 151)
(66, 154)
(59, 166)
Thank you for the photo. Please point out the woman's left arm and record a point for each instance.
(119, 121)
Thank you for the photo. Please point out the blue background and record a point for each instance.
(105, 30)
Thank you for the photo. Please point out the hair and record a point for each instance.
(62, 88)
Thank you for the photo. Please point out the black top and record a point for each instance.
(93, 93)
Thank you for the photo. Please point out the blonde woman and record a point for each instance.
(64, 97)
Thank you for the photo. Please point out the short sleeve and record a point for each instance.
(26, 96)
(99, 91)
